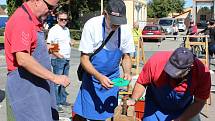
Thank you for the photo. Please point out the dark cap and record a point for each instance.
(117, 12)
(180, 61)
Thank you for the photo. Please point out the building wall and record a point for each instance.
(196, 16)
(132, 14)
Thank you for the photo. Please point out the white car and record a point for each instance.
(181, 26)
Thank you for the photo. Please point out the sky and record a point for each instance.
(2, 2)
(188, 3)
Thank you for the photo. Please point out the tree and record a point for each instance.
(75, 8)
(161, 8)
(12, 5)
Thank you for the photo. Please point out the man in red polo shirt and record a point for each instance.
(30, 82)
(178, 85)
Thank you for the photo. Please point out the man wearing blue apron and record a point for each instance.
(178, 85)
(30, 82)
(97, 97)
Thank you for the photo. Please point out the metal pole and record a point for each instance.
(101, 7)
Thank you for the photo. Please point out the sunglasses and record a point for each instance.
(63, 19)
(50, 7)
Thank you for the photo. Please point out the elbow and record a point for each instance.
(21, 59)
(20, 62)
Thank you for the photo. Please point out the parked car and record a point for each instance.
(3, 20)
(181, 26)
(167, 24)
(153, 30)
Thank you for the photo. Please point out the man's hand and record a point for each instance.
(62, 80)
(126, 76)
(106, 82)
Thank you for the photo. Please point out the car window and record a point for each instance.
(180, 22)
(165, 22)
(151, 28)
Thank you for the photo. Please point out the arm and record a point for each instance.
(136, 94)
(89, 68)
(126, 66)
(26, 61)
(192, 110)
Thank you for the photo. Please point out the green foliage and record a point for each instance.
(75, 8)
(1, 31)
(161, 8)
(1, 39)
(76, 34)
(12, 5)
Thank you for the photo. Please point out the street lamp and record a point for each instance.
(138, 6)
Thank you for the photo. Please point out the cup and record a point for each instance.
(55, 46)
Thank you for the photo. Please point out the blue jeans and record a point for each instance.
(211, 49)
(60, 67)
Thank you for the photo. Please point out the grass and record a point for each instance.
(1, 39)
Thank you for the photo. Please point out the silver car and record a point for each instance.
(167, 24)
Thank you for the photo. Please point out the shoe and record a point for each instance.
(66, 104)
(60, 109)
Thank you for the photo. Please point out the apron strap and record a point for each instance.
(189, 78)
(24, 8)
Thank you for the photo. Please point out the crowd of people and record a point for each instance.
(177, 84)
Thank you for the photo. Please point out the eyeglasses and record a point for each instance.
(50, 7)
(63, 19)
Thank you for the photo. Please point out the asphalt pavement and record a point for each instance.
(207, 113)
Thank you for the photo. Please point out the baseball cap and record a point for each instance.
(117, 12)
(179, 62)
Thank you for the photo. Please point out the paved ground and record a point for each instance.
(150, 48)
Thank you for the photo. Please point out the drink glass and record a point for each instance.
(55, 46)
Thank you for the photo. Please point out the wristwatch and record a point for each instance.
(135, 100)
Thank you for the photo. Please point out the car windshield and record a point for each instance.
(151, 28)
(180, 22)
(165, 22)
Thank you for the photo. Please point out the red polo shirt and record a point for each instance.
(20, 35)
(153, 72)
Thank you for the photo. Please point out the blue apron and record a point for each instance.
(164, 103)
(94, 102)
(32, 98)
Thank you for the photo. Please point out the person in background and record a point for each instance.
(177, 85)
(192, 30)
(61, 58)
(175, 30)
(30, 82)
(98, 97)
(210, 30)
(51, 20)
(136, 35)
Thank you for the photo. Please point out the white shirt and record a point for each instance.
(92, 37)
(62, 35)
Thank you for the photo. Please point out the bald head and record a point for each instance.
(41, 8)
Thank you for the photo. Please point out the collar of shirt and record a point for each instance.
(34, 18)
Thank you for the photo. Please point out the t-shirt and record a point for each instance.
(20, 35)
(92, 37)
(62, 36)
(153, 72)
(136, 35)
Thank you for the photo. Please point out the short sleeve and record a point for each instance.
(145, 76)
(21, 38)
(51, 35)
(127, 40)
(86, 43)
(202, 90)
